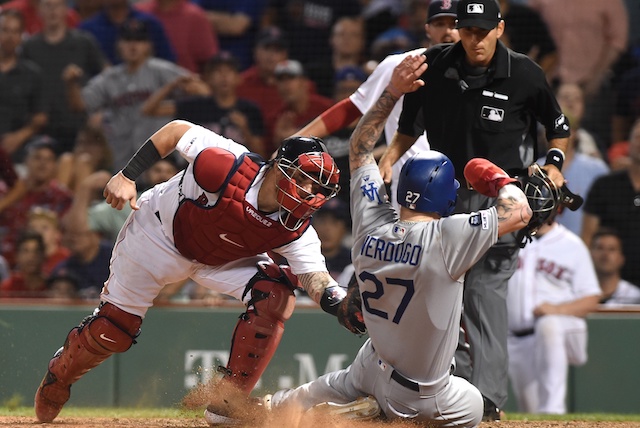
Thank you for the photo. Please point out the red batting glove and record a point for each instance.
(485, 177)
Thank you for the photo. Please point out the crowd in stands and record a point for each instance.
(83, 84)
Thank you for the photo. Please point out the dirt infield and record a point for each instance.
(30, 422)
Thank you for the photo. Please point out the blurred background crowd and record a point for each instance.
(84, 83)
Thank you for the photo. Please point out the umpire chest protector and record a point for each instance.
(232, 228)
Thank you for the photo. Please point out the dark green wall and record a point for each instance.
(176, 342)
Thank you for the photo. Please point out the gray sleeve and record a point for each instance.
(95, 94)
(466, 237)
(370, 207)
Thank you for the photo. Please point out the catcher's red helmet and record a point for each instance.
(310, 179)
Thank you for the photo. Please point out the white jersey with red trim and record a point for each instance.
(303, 254)
(368, 93)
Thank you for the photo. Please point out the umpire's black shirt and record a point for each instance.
(492, 116)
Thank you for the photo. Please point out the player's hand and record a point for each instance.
(554, 174)
(485, 177)
(72, 73)
(405, 77)
(119, 190)
(545, 309)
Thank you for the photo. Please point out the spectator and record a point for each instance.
(300, 107)
(347, 50)
(27, 279)
(8, 174)
(87, 8)
(400, 39)
(332, 223)
(259, 81)
(379, 16)
(608, 259)
(218, 107)
(46, 223)
(236, 23)
(527, 33)
(54, 48)
(627, 107)
(120, 91)
(614, 202)
(347, 80)
(38, 188)
(580, 169)
(550, 294)
(91, 153)
(106, 24)
(63, 287)
(33, 22)
(190, 33)
(308, 24)
(22, 103)
(590, 36)
(88, 263)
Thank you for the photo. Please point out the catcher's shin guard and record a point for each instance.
(260, 328)
(108, 330)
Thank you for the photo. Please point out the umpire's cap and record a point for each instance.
(483, 14)
(427, 184)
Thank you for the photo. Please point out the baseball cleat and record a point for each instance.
(363, 409)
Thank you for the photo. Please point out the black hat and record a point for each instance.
(479, 13)
(222, 58)
(134, 29)
(272, 37)
(438, 8)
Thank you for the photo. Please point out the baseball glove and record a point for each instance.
(350, 310)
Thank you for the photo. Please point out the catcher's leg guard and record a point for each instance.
(108, 330)
(260, 328)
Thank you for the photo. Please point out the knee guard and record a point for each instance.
(107, 331)
(259, 330)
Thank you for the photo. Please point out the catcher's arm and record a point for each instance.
(490, 180)
(334, 300)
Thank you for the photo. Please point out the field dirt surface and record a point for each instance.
(62, 422)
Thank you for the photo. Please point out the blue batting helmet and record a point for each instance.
(427, 183)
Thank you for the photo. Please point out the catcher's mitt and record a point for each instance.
(350, 310)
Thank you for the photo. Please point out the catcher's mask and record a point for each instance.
(544, 198)
(428, 183)
(310, 178)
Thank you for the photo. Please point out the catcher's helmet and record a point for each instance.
(304, 159)
(544, 198)
(427, 183)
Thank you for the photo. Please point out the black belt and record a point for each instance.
(523, 333)
(404, 381)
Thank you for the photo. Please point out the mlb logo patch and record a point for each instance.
(493, 114)
(475, 8)
(475, 220)
(399, 230)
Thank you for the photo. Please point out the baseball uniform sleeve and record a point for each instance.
(469, 236)
(304, 254)
(199, 138)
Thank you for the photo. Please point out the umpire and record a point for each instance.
(481, 99)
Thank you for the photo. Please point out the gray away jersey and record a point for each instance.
(411, 276)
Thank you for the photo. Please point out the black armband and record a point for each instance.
(144, 158)
(331, 298)
(555, 157)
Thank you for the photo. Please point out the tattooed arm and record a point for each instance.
(404, 79)
(314, 284)
(513, 209)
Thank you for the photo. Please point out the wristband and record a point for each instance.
(555, 157)
(331, 297)
(144, 158)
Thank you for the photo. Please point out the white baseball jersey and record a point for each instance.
(410, 276)
(626, 294)
(555, 268)
(145, 258)
(367, 95)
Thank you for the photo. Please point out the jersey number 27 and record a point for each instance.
(367, 296)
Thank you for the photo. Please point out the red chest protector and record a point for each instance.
(232, 228)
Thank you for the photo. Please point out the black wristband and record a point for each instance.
(555, 157)
(331, 298)
(144, 158)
